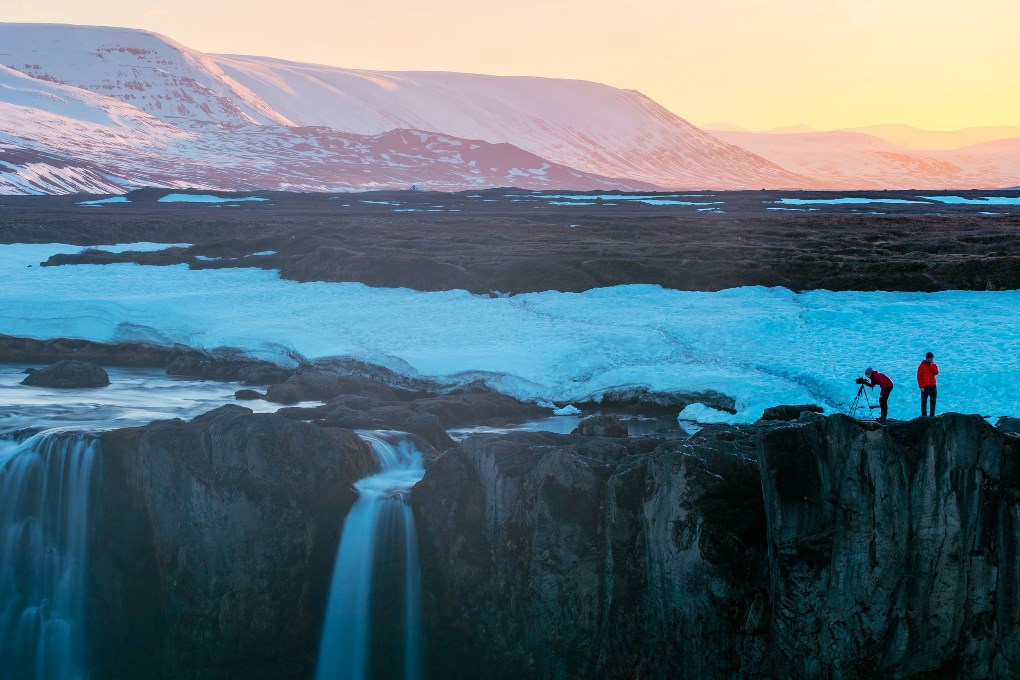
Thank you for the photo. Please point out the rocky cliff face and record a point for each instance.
(569, 556)
(819, 548)
(894, 551)
(212, 544)
(878, 551)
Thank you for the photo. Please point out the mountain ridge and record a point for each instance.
(223, 134)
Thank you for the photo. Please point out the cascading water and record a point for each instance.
(373, 618)
(44, 489)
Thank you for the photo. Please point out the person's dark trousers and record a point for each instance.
(928, 392)
(883, 401)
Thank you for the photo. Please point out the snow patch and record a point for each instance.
(107, 201)
(983, 200)
(846, 200)
(568, 410)
(205, 198)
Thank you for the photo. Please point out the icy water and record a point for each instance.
(373, 618)
(135, 396)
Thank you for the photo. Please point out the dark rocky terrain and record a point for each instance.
(877, 552)
(510, 241)
(816, 548)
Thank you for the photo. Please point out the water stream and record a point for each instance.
(373, 617)
(44, 491)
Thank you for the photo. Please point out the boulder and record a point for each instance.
(248, 395)
(602, 426)
(305, 386)
(788, 412)
(428, 427)
(67, 374)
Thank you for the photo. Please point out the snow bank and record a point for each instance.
(205, 198)
(763, 346)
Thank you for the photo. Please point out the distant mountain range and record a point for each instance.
(888, 156)
(106, 110)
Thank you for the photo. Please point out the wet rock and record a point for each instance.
(24, 350)
(213, 541)
(428, 427)
(68, 374)
(305, 386)
(602, 426)
(225, 366)
(787, 412)
(248, 395)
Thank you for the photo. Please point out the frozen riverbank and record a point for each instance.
(760, 345)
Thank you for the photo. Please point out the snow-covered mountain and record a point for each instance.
(854, 160)
(57, 138)
(92, 108)
(584, 125)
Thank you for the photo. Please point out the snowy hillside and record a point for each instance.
(147, 70)
(588, 126)
(94, 108)
(107, 110)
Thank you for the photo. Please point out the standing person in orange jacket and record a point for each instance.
(926, 373)
(883, 381)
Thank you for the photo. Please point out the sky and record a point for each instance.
(758, 64)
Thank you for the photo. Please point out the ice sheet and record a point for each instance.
(763, 346)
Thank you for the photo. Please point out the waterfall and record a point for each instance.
(44, 489)
(373, 617)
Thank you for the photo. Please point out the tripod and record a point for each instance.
(856, 404)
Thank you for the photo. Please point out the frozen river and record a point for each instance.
(762, 346)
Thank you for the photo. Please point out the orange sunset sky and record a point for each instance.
(825, 63)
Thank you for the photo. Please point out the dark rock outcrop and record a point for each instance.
(789, 412)
(602, 426)
(67, 374)
(226, 365)
(1008, 424)
(212, 544)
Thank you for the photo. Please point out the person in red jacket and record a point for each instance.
(926, 373)
(883, 381)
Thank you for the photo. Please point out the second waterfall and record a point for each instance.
(373, 617)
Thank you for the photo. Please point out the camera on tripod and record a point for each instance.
(861, 381)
